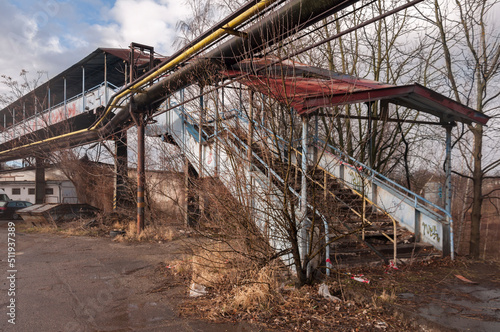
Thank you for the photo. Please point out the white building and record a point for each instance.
(19, 185)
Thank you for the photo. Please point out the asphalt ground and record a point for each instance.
(74, 284)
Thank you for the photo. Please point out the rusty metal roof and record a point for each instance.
(306, 88)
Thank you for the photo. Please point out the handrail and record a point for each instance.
(361, 215)
(78, 96)
(394, 222)
(278, 177)
(374, 173)
(193, 121)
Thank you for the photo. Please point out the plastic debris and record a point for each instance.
(196, 290)
(323, 291)
(380, 325)
(464, 279)
(358, 277)
(392, 266)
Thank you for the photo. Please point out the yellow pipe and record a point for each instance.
(195, 48)
(192, 50)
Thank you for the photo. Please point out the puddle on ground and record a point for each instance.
(481, 312)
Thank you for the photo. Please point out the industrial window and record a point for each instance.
(49, 191)
(16, 191)
(31, 191)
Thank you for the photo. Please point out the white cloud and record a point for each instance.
(143, 21)
(52, 35)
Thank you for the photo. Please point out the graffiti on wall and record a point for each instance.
(431, 231)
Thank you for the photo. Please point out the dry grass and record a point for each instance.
(260, 291)
(103, 224)
(150, 233)
(216, 265)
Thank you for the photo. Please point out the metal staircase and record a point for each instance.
(357, 228)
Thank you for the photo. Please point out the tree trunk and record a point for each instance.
(477, 200)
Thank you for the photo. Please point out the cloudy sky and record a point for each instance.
(51, 35)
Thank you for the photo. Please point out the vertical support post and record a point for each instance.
(131, 69)
(13, 117)
(36, 113)
(200, 134)
(83, 89)
(303, 192)
(262, 108)
(201, 160)
(183, 119)
(316, 135)
(241, 98)
(418, 236)
(121, 169)
(448, 227)
(65, 101)
(39, 180)
(370, 138)
(141, 176)
(250, 132)
(105, 78)
(126, 73)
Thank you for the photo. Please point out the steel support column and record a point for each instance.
(39, 180)
(83, 88)
(65, 101)
(200, 134)
(303, 192)
(183, 119)
(250, 131)
(448, 249)
(105, 78)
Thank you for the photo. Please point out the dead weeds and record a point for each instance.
(103, 225)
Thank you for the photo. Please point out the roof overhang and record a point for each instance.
(307, 88)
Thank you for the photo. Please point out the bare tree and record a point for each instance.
(467, 60)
